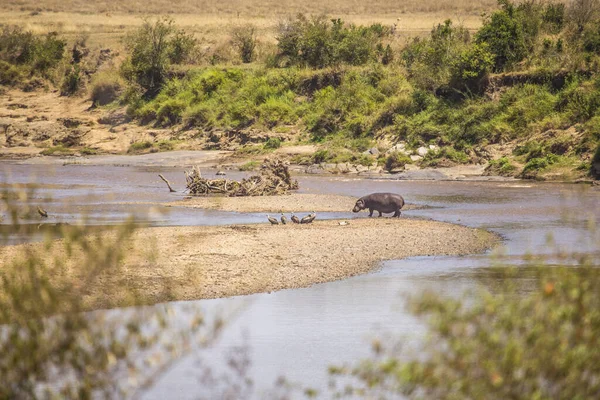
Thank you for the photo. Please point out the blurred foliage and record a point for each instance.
(535, 335)
(51, 346)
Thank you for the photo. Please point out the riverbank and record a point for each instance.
(187, 263)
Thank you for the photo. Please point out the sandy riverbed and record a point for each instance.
(185, 263)
(276, 204)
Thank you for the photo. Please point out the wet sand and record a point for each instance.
(275, 204)
(186, 263)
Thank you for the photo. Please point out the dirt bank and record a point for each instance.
(207, 262)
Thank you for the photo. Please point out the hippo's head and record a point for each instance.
(360, 205)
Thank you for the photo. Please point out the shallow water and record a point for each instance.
(298, 333)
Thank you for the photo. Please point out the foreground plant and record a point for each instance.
(532, 338)
(51, 347)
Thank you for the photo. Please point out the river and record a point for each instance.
(299, 333)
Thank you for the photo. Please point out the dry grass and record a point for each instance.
(107, 21)
(252, 8)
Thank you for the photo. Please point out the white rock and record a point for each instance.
(414, 157)
(422, 151)
(432, 147)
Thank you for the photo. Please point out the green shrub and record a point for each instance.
(275, 111)
(243, 39)
(166, 145)
(502, 167)
(321, 156)
(200, 115)
(272, 143)
(318, 43)
(538, 164)
(396, 160)
(443, 156)
(106, 87)
(554, 17)
(182, 46)
(428, 60)
(504, 34)
(580, 101)
(86, 151)
(9, 74)
(170, 112)
(72, 81)
(24, 48)
(471, 66)
(152, 48)
(139, 146)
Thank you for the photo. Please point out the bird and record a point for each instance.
(272, 220)
(283, 219)
(42, 212)
(295, 219)
(308, 219)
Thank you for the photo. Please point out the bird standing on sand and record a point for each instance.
(272, 220)
(42, 212)
(309, 218)
(295, 219)
(283, 219)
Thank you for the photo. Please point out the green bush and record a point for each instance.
(444, 155)
(321, 156)
(428, 60)
(318, 43)
(502, 167)
(9, 74)
(396, 160)
(106, 87)
(170, 112)
(554, 17)
(21, 47)
(272, 143)
(152, 48)
(182, 46)
(471, 66)
(580, 101)
(200, 115)
(243, 39)
(275, 111)
(72, 81)
(535, 165)
(139, 146)
(504, 34)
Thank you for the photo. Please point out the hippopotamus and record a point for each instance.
(381, 202)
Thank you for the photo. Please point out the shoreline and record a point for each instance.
(204, 262)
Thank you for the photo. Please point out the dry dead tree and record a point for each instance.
(274, 179)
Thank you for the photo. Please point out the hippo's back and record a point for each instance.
(390, 201)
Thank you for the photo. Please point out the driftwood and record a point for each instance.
(274, 179)
(167, 182)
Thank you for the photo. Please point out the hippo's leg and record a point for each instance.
(379, 213)
(396, 213)
(370, 212)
